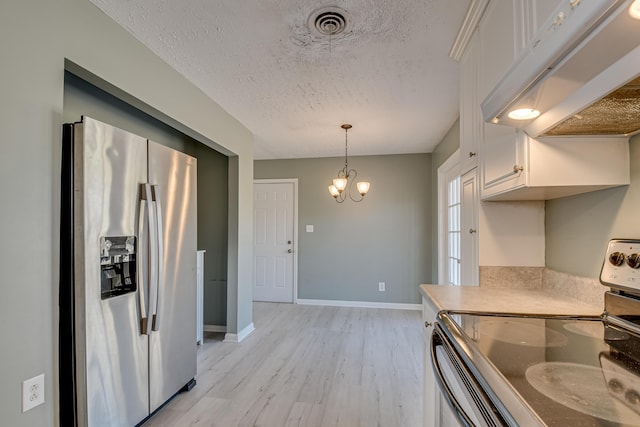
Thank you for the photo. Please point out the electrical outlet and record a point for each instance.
(381, 286)
(32, 392)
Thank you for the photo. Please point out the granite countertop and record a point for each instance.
(505, 300)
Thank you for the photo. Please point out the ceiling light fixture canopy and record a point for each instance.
(341, 187)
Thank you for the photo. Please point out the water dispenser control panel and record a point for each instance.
(118, 265)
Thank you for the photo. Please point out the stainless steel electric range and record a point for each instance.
(499, 369)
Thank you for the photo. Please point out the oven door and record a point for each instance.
(458, 386)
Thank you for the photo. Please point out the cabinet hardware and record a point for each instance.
(472, 230)
(517, 168)
(290, 251)
(471, 154)
(428, 324)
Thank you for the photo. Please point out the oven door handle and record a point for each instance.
(437, 340)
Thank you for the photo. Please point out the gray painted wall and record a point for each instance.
(385, 238)
(578, 228)
(82, 98)
(37, 37)
(449, 144)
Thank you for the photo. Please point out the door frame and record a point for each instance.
(293, 181)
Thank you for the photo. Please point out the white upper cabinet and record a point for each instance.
(500, 37)
(497, 46)
(548, 168)
(470, 116)
(511, 165)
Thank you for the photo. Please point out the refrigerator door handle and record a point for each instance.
(160, 258)
(142, 263)
(153, 256)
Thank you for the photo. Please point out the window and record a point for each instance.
(449, 211)
(453, 231)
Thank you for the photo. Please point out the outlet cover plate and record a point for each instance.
(32, 392)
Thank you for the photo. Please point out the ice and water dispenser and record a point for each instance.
(118, 265)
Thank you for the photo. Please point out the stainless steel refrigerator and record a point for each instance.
(127, 275)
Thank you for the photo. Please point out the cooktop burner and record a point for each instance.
(582, 388)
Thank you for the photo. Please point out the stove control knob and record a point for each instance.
(632, 396)
(617, 258)
(633, 260)
(615, 386)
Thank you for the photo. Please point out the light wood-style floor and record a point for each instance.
(308, 366)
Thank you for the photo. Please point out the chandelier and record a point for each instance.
(341, 187)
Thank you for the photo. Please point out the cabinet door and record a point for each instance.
(431, 403)
(470, 115)
(497, 44)
(469, 229)
(499, 40)
(503, 160)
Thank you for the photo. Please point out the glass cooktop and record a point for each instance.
(569, 371)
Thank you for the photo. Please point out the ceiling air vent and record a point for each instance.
(329, 21)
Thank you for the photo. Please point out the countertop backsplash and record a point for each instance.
(511, 277)
(585, 289)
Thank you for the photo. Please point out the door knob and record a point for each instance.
(290, 251)
(288, 242)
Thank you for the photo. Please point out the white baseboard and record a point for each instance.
(240, 335)
(363, 304)
(214, 328)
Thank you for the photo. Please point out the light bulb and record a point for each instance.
(363, 187)
(634, 9)
(524, 114)
(340, 184)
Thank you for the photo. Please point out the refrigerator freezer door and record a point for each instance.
(172, 344)
(111, 353)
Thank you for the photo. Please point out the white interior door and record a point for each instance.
(274, 240)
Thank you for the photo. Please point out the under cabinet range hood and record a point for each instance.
(579, 75)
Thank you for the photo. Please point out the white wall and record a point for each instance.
(37, 36)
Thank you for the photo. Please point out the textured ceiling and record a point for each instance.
(389, 74)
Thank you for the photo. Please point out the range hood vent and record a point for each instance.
(616, 114)
(580, 72)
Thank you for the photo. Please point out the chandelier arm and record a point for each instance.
(350, 184)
